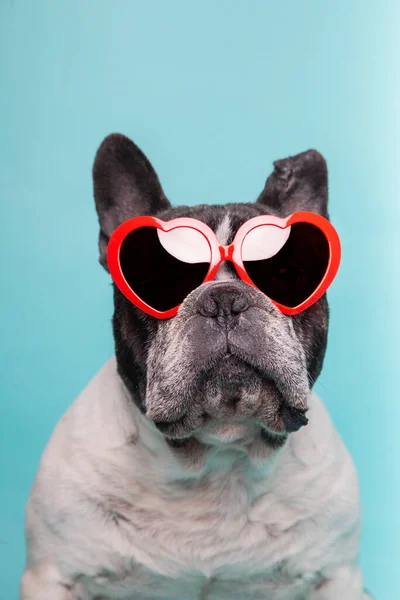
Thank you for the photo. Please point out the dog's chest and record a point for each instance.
(197, 541)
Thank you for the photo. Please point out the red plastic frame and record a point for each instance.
(221, 253)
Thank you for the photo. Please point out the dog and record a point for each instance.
(187, 468)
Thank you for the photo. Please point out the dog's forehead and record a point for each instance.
(224, 220)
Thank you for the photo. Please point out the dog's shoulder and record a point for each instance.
(102, 403)
(322, 463)
(65, 500)
(315, 491)
(97, 420)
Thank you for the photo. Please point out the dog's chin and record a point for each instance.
(229, 432)
(240, 407)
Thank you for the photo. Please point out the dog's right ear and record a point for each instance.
(125, 186)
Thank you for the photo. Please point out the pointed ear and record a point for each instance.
(125, 186)
(298, 183)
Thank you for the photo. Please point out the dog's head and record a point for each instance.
(229, 367)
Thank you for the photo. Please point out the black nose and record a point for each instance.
(223, 300)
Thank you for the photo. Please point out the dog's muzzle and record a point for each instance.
(239, 362)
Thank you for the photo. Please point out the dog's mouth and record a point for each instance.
(236, 403)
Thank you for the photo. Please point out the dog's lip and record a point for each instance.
(293, 418)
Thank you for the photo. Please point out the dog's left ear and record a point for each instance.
(298, 183)
(125, 186)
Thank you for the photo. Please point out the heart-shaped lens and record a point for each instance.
(286, 264)
(163, 267)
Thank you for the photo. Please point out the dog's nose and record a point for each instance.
(223, 300)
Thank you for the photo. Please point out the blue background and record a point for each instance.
(213, 92)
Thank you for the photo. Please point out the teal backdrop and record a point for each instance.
(213, 92)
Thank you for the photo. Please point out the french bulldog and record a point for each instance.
(198, 463)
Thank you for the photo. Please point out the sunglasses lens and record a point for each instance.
(162, 268)
(286, 264)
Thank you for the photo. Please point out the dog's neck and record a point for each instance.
(189, 463)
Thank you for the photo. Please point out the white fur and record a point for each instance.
(113, 514)
(224, 230)
(222, 234)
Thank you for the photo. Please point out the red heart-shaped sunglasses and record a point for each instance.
(156, 264)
